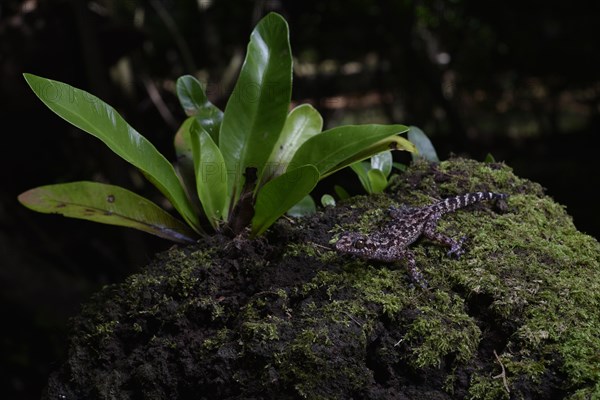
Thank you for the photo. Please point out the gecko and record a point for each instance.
(405, 226)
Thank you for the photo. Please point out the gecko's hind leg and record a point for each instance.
(415, 273)
(456, 248)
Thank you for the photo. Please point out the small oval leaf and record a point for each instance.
(303, 208)
(489, 158)
(423, 144)
(361, 170)
(400, 166)
(377, 180)
(106, 204)
(327, 200)
(383, 161)
(341, 192)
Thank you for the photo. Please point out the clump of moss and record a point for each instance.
(287, 317)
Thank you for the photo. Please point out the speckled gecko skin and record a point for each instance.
(406, 225)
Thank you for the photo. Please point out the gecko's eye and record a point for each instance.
(359, 243)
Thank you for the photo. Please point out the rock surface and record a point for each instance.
(285, 317)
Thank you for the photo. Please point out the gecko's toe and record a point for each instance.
(417, 278)
(423, 284)
(457, 250)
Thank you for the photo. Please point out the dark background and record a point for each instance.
(518, 79)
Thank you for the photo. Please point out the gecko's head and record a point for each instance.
(354, 243)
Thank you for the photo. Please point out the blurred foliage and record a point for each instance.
(516, 80)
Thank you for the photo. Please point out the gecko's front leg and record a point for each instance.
(416, 276)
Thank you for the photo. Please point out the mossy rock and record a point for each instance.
(286, 317)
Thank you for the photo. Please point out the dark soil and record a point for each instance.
(285, 317)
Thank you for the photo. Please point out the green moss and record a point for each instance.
(307, 362)
(487, 388)
(531, 262)
(260, 331)
(587, 393)
(295, 319)
(442, 328)
(137, 327)
(103, 330)
(303, 249)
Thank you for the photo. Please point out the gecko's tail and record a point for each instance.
(453, 203)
